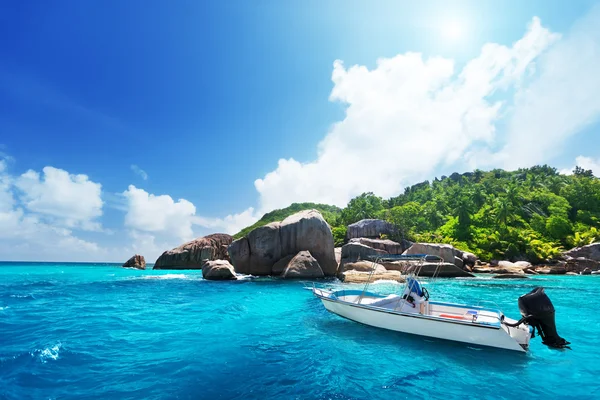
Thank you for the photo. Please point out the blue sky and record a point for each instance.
(132, 126)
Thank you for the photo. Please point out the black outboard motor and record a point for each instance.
(538, 311)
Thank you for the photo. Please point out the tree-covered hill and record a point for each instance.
(531, 214)
(330, 213)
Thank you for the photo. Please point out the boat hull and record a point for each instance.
(416, 324)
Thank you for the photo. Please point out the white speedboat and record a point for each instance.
(412, 312)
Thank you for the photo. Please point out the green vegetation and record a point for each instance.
(330, 213)
(532, 213)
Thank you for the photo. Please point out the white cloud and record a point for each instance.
(585, 163)
(30, 236)
(6, 198)
(149, 213)
(232, 223)
(403, 119)
(137, 170)
(559, 101)
(67, 199)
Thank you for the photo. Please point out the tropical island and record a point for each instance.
(532, 220)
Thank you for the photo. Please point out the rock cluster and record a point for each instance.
(218, 270)
(194, 254)
(136, 261)
(369, 228)
(266, 249)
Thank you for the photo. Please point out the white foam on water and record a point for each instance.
(3, 308)
(48, 353)
(244, 277)
(22, 296)
(166, 276)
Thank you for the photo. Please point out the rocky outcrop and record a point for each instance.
(218, 270)
(257, 253)
(591, 252)
(445, 270)
(386, 245)
(469, 259)
(559, 269)
(369, 228)
(586, 271)
(523, 264)
(136, 261)
(303, 266)
(581, 263)
(355, 251)
(354, 276)
(362, 266)
(444, 251)
(193, 255)
(281, 265)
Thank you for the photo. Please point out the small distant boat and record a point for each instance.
(412, 312)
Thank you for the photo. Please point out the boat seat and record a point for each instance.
(381, 302)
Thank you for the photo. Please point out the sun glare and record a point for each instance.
(452, 30)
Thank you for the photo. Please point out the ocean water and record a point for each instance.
(101, 331)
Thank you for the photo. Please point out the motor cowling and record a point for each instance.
(539, 312)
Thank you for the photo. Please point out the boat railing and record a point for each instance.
(416, 262)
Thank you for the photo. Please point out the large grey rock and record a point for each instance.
(386, 245)
(281, 265)
(445, 251)
(581, 263)
(239, 252)
(303, 266)
(369, 228)
(523, 264)
(469, 259)
(193, 255)
(445, 270)
(218, 270)
(591, 251)
(356, 251)
(263, 247)
(307, 230)
(136, 261)
(459, 262)
(362, 266)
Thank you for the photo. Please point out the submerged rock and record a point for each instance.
(257, 253)
(510, 276)
(303, 266)
(193, 254)
(218, 270)
(136, 261)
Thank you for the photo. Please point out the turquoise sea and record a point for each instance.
(100, 331)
